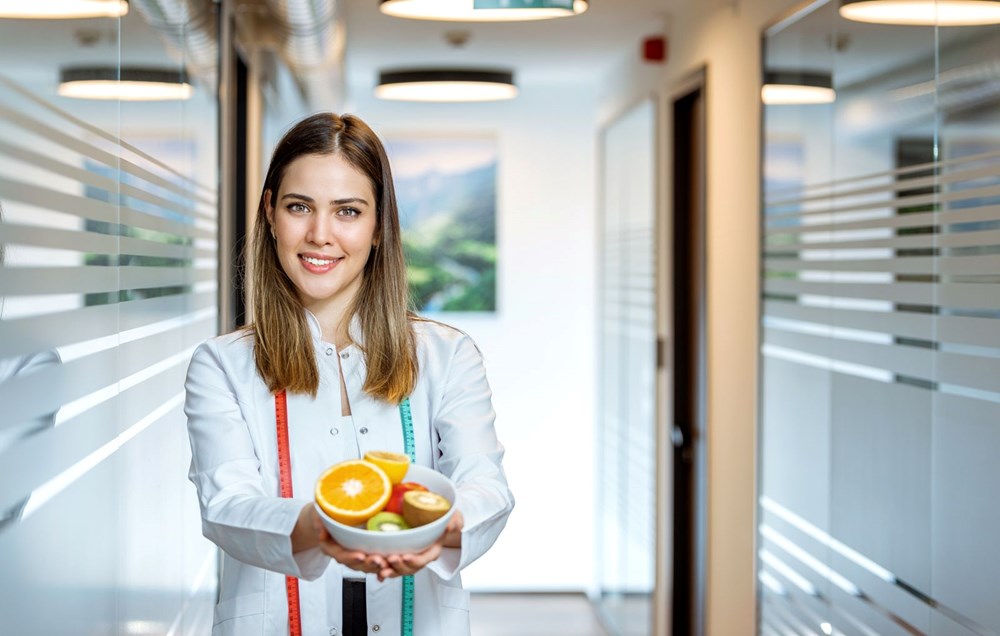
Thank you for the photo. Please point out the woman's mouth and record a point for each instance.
(317, 264)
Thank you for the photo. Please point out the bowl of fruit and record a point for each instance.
(383, 504)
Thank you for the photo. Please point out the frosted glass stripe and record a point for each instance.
(953, 295)
(914, 219)
(25, 335)
(34, 281)
(40, 394)
(41, 495)
(963, 370)
(910, 361)
(918, 241)
(890, 177)
(97, 243)
(837, 205)
(110, 185)
(950, 265)
(87, 208)
(101, 156)
(984, 332)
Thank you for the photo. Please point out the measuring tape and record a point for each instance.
(409, 447)
(285, 478)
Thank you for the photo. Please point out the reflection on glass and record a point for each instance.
(879, 323)
(108, 281)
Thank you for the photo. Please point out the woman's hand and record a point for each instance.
(407, 564)
(354, 559)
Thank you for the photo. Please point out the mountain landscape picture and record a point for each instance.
(446, 190)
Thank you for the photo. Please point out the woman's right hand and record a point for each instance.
(354, 559)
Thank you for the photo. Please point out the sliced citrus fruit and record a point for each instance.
(352, 492)
(394, 464)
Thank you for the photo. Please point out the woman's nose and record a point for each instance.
(321, 229)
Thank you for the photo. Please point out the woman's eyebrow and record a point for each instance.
(350, 200)
(295, 195)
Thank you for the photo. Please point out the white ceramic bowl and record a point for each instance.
(404, 541)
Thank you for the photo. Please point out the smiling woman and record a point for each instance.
(334, 366)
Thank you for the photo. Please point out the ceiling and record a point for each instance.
(570, 50)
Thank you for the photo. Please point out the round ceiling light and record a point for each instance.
(922, 12)
(62, 9)
(482, 10)
(126, 84)
(446, 85)
(797, 87)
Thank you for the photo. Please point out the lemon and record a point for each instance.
(395, 465)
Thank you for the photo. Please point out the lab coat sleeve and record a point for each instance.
(471, 455)
(237, 514)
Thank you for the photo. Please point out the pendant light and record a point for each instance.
(125, 84)
(797, 87)
(62, 9)
(483, 10)
(446, 85)
(922, 12)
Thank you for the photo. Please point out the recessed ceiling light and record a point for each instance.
(483, 10)
(62, 9)
(797, 87)
(922, 12)
(126, 84)
(446, 85)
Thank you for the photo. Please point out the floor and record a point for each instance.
(534, 615)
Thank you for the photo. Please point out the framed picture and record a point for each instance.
(446, 190)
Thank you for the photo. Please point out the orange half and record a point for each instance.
(354, 491)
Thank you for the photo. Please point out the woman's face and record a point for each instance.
(324, 221)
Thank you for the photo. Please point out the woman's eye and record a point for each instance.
(298, 208)
(349, 212)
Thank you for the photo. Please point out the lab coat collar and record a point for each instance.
(354, 329)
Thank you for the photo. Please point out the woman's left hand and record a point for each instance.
(408, 564)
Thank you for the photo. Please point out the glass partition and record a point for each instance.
(880, 357)
(626, 439)
(108, 280)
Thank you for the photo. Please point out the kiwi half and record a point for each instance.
(387, 522)
(421, 507)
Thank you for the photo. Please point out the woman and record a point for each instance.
(331, 331)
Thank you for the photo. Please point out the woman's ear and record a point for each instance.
(268, 208)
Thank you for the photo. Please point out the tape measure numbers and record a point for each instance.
(285, 480)
(409, 448)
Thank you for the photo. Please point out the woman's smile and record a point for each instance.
(319, 264)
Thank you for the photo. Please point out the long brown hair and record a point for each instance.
(283, 350)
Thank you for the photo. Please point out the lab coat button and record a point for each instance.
(329, 351)
(345, 355)
(334, 431)
(333, 631)
(375, 628)
(364, 430)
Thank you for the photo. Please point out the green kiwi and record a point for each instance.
(387, 522)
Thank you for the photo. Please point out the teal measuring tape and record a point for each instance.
(408, 446)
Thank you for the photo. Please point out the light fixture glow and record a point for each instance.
(126, 84)
(922, 12)
(444, 85)
(483, 10)
(796, 87)
(62, 9)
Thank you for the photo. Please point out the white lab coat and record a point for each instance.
(231, 423)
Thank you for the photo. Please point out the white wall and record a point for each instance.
(540, 345)
(724, 38)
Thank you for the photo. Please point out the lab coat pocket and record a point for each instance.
(239, 615)
(454, 610)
